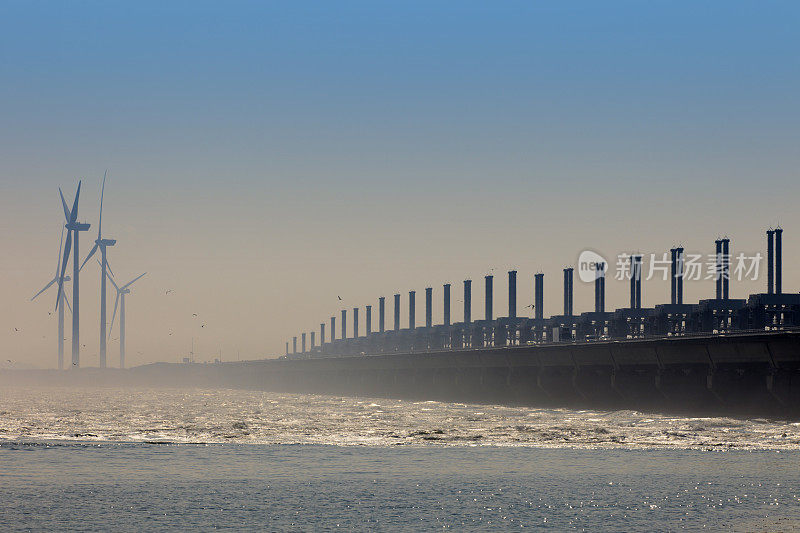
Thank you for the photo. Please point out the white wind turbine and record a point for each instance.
(61, 300)
(73, 233)
(102, 244)
(120, 299)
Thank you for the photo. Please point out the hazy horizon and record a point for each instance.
(265, 160)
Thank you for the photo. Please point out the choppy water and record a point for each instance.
(234, 416)
(88, 460)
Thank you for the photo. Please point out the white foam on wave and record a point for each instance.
(234, 416)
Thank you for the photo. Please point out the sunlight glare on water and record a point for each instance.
(219, 416)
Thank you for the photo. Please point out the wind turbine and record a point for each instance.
(74, 228)
(61, 301)
(102, 244)
(120, 299)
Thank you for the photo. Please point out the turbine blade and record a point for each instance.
(73, 215)
(45, 288)
(64, 204)
(113, 316)
(94, 249)
(108, 264)
(66, 301)
(67, 248)
(109, 272)
(132, 282)
(102, 193)
(60, 245)
(111, 279)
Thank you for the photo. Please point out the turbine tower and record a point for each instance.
(74, 228)
(102, 244)
(62, 299)
(120, 299)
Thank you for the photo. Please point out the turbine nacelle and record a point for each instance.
(77, 226)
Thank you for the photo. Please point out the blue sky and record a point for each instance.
(371, 147)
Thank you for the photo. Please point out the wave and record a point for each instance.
(248, 417)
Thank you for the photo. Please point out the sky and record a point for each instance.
(267, 158)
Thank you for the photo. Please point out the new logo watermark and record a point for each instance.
(591, 266)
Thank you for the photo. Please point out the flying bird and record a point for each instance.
(194, 314)
(340, 298)
(168, 291)
(15, 329)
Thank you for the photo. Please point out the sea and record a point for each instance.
(160, 459)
